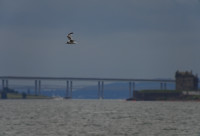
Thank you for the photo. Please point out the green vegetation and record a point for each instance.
(20, 96)
(12, 94)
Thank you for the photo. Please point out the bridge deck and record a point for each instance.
(82, 79)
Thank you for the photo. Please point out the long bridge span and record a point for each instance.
(70, 80)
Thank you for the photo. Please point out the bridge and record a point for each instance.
(70, 80)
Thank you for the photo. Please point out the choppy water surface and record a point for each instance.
(98, 118)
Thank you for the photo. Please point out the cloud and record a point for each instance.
(188, 1)
(118, 39)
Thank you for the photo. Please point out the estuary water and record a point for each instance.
(98, 118)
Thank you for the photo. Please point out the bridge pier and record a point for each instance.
(163, 86)
(69, 89)
(100, 89)
(39, 88)
(6, 83)
(36, 87)
(38, 84)
(3, 84)
(131, 91)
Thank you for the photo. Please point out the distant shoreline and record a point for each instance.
(18, 96)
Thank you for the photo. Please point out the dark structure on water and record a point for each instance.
(186, 81)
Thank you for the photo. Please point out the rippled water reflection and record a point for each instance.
(98, 118)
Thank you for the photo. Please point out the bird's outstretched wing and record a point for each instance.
(69, 36)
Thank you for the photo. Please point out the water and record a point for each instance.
(98, 118)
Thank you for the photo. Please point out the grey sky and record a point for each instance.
(124, 39)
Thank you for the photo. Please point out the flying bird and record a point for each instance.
(70, 41)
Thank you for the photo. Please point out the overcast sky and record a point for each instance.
(116, 38)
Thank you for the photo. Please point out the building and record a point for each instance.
(186, 81)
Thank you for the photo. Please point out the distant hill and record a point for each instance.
(116, 90)
(111, 91)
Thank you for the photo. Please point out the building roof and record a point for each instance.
(185, 74)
